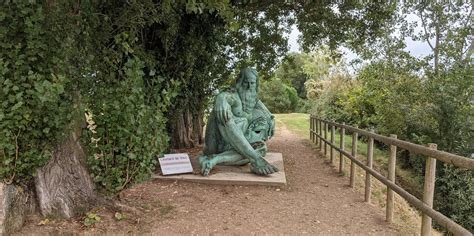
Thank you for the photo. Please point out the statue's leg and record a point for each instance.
(233, 135)
(233, 158)
(229, 158)
(212, 139)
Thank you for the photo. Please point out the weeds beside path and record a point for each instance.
(316, 201)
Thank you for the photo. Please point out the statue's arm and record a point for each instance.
(272, 117)
(223, 107)
(235, 137)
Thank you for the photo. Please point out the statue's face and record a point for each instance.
(247, 91)
(250, 82)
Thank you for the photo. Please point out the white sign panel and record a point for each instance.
(177, 163)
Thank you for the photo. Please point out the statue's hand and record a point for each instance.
(223, 111)
(262, 167)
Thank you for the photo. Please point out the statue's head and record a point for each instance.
(248, 79)
(247, 88)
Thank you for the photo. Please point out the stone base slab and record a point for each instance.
(234, 175)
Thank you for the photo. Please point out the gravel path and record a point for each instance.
(315, 201)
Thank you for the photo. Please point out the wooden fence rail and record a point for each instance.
(318, 135)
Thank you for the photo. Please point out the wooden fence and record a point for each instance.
(318, 134)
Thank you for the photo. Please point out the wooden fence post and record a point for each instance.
(428, 190)
(320, 135)
(326, 138)
(333, 131)
(370, 157)
(341, 146)
(353, 153)
(392, 160)
(311, 128)
(314, 130)
(316, 138)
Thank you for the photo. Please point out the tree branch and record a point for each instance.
(424, 28)
(471, 47)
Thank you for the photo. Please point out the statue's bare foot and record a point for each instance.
(262, 167)
(206, 165)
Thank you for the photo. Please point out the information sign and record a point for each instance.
(176, 163)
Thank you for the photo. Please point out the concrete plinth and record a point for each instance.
(235, 175)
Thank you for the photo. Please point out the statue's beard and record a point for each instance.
(248, 98)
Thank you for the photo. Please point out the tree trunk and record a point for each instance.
(63, 186)
(15, 204)
(198, 126)
(186, 128)
(436, 49)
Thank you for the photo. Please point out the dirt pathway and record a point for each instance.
(315, 201)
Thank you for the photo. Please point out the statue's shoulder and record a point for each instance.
(230, 90)
(228, 93)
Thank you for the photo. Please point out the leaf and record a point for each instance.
(120, 216)
(44, 222)
(91, 219)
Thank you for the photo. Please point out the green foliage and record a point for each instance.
(291, 72)
(394, 100)
(35, 85)
(453, 109)
(278, 97)
(55, 65)
(136, 68)
(125, 133)
(454, 194)
(451, 95)
(326, 96)
(356, 24)
(91, 219)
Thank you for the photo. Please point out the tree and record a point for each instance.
(248, 33)
(44, 55)
(447, 29)
(278, 97)
(136, 69)
(422, 100)
(291, 72)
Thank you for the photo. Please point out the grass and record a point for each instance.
(299, 123)
(406, 217)
(296, 122)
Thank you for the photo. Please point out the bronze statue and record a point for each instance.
(238, 127)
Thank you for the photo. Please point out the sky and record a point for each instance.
(416, 48)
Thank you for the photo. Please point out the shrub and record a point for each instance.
(125, 134)
(279, 97)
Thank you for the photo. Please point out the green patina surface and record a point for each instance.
(238, 127)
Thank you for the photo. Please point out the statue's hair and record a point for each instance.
(246, 72)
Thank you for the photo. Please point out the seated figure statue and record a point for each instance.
(238, 127)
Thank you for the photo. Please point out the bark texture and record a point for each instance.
(15, 204)
(186, 128)
(63, 186)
